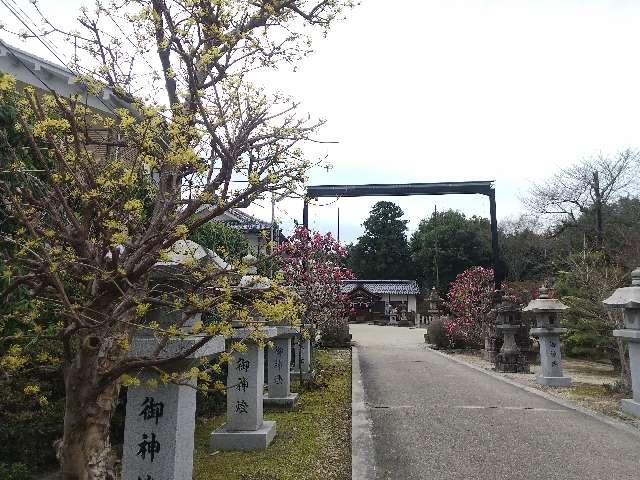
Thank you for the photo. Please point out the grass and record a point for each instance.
(313, 442)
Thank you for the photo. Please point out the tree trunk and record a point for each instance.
(598, 211)
(86, 446)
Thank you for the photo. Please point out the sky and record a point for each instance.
(453, 90)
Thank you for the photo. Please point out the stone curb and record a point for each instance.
(560, 401)
(362, 451)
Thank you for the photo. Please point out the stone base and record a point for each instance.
(280, 403)
(554, 381)
(243, 441)
(295, 375)
(509, 363)
(511, 367)
(630, 406)
(405, 323)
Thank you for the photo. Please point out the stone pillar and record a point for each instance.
(628, 298)
(245, 428)
(278, 378)
(301, 358)
(160, 422)
(158, 434)
(545, 310)
(551, 357)
(632, 405)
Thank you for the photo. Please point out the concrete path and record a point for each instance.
(433, 418)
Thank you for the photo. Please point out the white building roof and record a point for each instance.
(43, 74)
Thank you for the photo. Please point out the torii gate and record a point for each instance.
(407, 189)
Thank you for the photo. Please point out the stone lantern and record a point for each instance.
(509, 322)
(245, 427)
(545, 310)
(434, 303)
(160, 421)
(628, 298)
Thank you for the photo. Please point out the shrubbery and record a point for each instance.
(335, 332)
(469, 301)
(14, 471)
(28, 427)
(437, 333)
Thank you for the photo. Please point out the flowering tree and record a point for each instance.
(91, 204)
(470, 300)
(313, 264)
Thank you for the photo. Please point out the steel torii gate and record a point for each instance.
(407, 189)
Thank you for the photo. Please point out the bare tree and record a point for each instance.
(526, 251)
(584, 191)
(95, 203)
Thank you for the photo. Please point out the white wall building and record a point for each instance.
(400, 294)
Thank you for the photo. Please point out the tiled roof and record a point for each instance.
(243, 221)
(392, 287)
(240, 220)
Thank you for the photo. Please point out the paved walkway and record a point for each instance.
(436, 419)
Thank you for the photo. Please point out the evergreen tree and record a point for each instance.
(223, 239)
(382, 252)
(461, 243)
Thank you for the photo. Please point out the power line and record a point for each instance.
(38, 37)
(33, 22)
(19, 60)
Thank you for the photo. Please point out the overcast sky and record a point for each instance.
(427, 90)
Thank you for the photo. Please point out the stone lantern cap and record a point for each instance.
(252, 280)
(508, 314)
(184, 251)
(247, 333)
(507, 307)
(626, 297)
(545, 303)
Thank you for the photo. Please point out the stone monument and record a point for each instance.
(160, 422)
(301, 366)
(628, 298)
(545, 309)
(279, 394)
(245, 428)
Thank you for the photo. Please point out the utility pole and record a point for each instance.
(273, 218)
(338, 225)
(435, 241)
